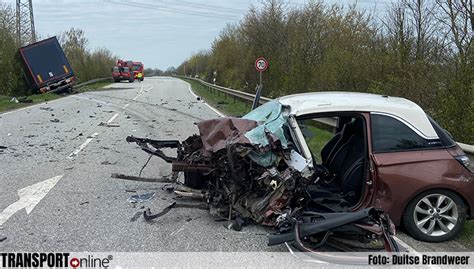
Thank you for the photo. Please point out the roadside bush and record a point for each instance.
(86, 64)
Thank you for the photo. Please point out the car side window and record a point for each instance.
(389, 134)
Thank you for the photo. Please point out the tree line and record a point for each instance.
(86, 63)
(419, 49)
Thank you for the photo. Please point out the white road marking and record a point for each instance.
(81, 147)
(30, 196)
(113, 118)
(141, 92)
(213, 109)
(125, 106)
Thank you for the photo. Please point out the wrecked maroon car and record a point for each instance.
(321, 167)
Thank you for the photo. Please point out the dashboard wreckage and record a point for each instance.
(250, 169)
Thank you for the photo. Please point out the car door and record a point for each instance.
(405, 163)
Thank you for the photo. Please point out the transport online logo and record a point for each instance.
(48, 260)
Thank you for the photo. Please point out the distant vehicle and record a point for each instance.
(138, 68)
(46, 68)
(120, 73)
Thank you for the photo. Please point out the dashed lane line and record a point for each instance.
(83, 146)
(113, 118)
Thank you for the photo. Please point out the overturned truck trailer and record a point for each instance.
(250, 169)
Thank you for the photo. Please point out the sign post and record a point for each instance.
(261, 64)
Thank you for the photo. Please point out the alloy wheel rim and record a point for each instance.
(436, 215)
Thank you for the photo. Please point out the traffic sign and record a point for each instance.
(261, 64)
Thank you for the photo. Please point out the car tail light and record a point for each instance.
(464, 160)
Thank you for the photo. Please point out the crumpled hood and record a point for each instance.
(217, 133)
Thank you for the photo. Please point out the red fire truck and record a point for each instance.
(137, 68)
(123, 71)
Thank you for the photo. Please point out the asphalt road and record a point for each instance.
(86, 209)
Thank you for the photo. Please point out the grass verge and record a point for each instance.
(466, 237)
(228, 105)
(6, 102)
(98, 86)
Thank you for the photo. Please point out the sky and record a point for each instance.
(159, 33)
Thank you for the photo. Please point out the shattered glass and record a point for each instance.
(270, 118)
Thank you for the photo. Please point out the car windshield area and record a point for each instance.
(317, 132)
(136, 67)
(115, 69)
(126, 69)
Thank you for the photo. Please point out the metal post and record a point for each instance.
(25, 23)
(258, 93)
(32, 23)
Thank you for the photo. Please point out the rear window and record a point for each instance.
(389, 134)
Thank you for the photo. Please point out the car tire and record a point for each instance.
(435, 216)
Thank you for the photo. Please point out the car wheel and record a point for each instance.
(435, 216)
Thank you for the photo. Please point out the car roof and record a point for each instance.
(400, 108)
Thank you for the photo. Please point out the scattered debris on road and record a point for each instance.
(108, 163)
(46, 108)
(54, 120)
(143, 179)
(149, 216)
(105, 124)
(141, 198)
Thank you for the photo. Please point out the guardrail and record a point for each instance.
(248, 97)
(91, 82)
